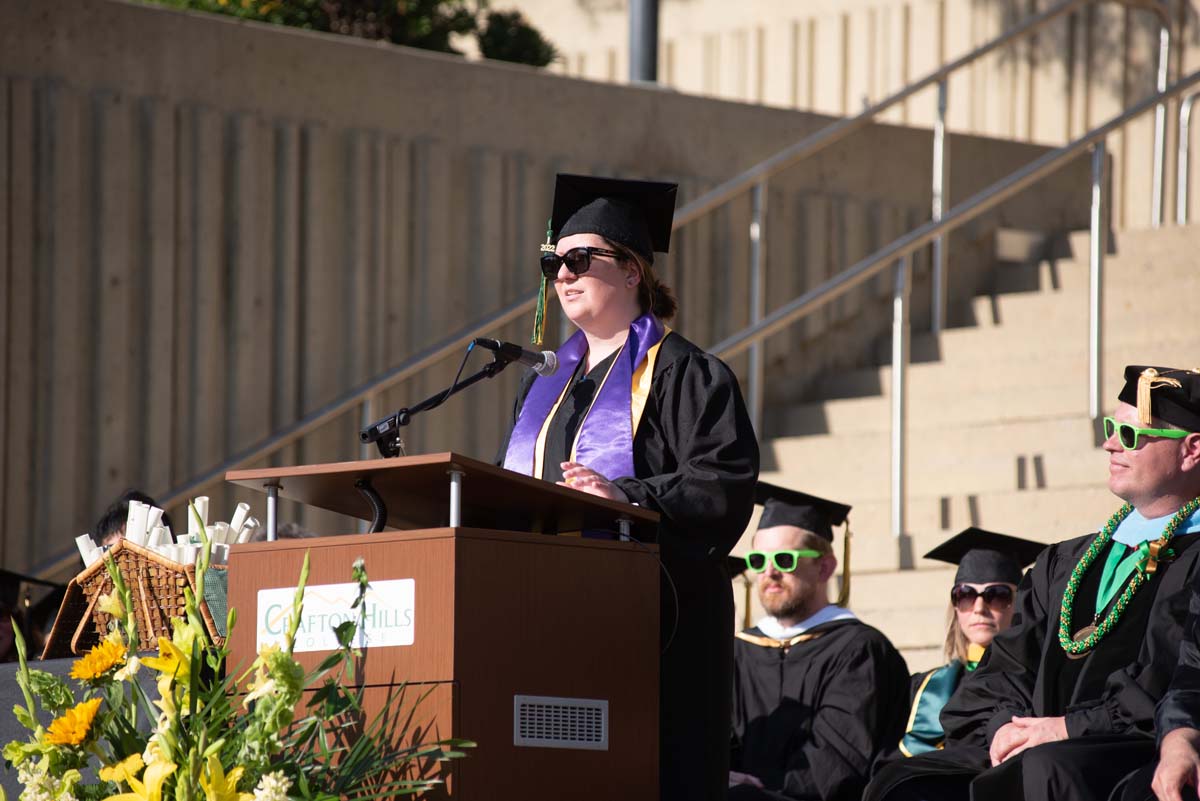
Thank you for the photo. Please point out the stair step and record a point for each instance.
(874, 414)
(1058, 435)
(1016, 245)
(1035, 385)
(947, 472)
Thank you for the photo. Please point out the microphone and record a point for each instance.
(544, 363)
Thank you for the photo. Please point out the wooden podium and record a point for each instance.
(542, 649)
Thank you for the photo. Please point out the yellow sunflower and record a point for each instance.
(72, 728)
(98, 661)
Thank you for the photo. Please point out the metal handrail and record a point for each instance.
(755, 178)
(900, 252)
(983, 200)
(1183, 173)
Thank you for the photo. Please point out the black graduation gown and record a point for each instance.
(1107, 698)
(809, 720)
(695, 462)
(1179, 707)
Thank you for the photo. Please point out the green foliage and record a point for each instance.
(295, 13)
(506, 36)
(427, 24)
(51, 691)
(223, 734)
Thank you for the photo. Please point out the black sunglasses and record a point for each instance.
(578, 260)
(997, 596)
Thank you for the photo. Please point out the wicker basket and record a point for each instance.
(155, 585)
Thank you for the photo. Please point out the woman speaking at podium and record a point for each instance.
(637, 413)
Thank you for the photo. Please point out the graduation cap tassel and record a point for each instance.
(539, 317)
(1147, 381)
(746, 585)
(844, 593)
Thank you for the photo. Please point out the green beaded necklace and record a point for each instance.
(1087, 637)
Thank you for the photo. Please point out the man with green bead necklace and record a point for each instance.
(1177, 721)
(1063, 705)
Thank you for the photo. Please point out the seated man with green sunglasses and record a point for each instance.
(817, 694)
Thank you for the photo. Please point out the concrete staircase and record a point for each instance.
(998, 429)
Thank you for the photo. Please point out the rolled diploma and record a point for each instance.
(239, 516)
(153, 518)
(158, 535)
(135, 522)
(87, 548)
(201, 504)
(248, 529)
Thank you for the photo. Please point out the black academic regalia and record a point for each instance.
(1107, 697)
(695, 461)
(1178, 709)
(809, 720)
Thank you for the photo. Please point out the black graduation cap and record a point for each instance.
(984, 557)
(785, 507)
(636, 214)
(1168, 393)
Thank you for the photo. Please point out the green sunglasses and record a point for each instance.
(1127, 434)
(784, 561)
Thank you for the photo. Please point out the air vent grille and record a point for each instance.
(545, 722)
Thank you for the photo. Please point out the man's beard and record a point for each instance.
(788, 604)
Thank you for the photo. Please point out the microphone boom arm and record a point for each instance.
(385, 432)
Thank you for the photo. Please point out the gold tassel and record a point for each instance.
(1147, 381)
(844, 593)
(746, 586)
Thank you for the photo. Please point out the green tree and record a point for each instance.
(506, 36)
(428, 24)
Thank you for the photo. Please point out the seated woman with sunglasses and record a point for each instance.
(637, 413)
(981, 606)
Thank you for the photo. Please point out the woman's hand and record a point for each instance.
(585, 479)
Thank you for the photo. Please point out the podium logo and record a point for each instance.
(389, 616)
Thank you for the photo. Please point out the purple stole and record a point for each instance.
(605, 438)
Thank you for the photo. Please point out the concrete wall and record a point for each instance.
(209, 229)
(831, 56)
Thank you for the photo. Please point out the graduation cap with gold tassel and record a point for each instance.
(786, 507)
(1170, 394)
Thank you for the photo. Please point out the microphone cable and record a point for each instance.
(674, 592)
(454, 384)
